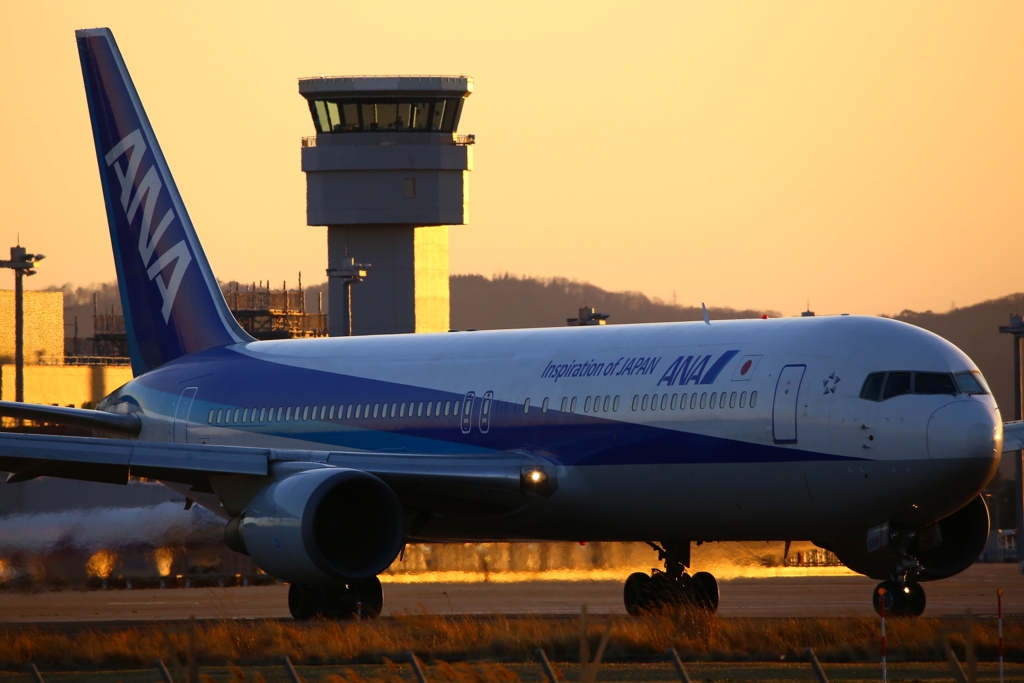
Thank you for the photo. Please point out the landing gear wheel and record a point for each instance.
(305, 600)
(369, 592)
(669, 592)
(637, 594)
(900, 601)
(705, 591)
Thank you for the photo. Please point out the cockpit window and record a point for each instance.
(872, 389)
(971, 382)
(879, 386)
(896, 384)
(933, 383)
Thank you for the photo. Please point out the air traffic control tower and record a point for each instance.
(387, 174)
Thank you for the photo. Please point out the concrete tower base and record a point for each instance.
(406, 289)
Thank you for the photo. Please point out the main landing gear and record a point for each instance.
(672, 588)
(362, 598)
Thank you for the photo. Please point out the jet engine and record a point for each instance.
(941, 549)
(325, 525)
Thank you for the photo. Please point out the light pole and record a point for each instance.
(22, 263)
(349, 273)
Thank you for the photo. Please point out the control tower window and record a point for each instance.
(385, 114)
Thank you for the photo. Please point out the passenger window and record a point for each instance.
(419, 409)
(644, 403)
(572, 405)
(615, 404)
(305, 413)
(430, 406)
(245, 416)
(348, 412)
(359, 411)
(682, 402)
(675, 400)
(664, 401)
(401, 410)
(971, 382)
(704, 400)
(437, 409)
(526, 406)
(394, 409)
(714, 396)
(544, 405)
(872, 387)
(565, 403)
(331, 416)
(586, 405)
(721, 401)
(607, 401)
(896, 384)
(288, 415)
(636, 401)
(447, 408)
(753, 398)
(209, 420)
(743, 399)
(366, 411)
(732, 400)
(933, 383)
(376, 411)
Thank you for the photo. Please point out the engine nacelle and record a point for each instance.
(943, 548)
(321, 526)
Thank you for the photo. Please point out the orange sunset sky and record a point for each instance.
(867, 156)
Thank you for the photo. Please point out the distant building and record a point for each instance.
(44, 327)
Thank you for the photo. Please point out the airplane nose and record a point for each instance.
(965, 439)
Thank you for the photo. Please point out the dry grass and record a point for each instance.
(696, 636)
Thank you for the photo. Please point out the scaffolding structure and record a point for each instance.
(263, 312)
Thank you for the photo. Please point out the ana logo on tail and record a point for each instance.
(147, 192)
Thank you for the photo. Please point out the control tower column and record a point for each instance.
(387, 174)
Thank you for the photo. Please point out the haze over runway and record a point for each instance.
(867, 157)
(811, 596)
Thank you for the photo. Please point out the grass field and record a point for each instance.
(761, 672)
(698, 637)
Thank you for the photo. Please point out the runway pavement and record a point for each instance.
(813, 596)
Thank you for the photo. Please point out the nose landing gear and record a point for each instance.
(904, 599)
(672, 588)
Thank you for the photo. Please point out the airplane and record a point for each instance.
(326, 457)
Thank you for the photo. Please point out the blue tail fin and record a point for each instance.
(172, 303)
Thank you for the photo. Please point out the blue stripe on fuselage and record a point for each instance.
(228, 379)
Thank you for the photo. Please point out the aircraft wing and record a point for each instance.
(1013, 436)
(75, 417)
(483, 482)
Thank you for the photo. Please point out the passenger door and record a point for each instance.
(784, 409)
